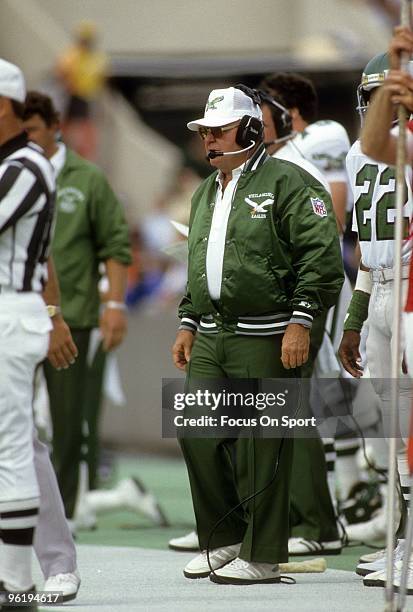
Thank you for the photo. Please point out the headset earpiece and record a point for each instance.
(281, 116)
(249, 130)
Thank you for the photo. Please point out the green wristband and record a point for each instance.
(357, 312)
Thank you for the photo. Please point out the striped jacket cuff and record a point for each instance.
(189, 324)
(302, 317)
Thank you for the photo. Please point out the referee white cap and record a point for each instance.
(12, 83)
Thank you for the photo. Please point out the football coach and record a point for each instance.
(264, 259)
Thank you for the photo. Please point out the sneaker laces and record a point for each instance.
(238, 563)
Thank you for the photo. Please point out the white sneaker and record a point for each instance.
(378, 579)
(218, 557)
(136, 498)
(67, 584)
(370, 557)
(129, 494)
(301, 546)
(398, 578)
(188, 542)
(246, 572)
(379, 564)
(375, 528)
(372, 530)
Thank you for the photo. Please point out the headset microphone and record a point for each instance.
(214, 154)
(267, 143)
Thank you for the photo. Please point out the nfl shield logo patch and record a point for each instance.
(319, 208)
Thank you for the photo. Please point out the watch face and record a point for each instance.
(52, 310)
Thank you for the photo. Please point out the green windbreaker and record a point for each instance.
(90, 228)
(282, 257)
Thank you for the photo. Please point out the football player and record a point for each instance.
(373, 186)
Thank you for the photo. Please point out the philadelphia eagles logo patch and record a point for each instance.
(211, 104)
(319, 208)
(259, 209)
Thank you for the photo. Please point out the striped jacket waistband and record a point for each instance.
(258, 325)
(264, 325)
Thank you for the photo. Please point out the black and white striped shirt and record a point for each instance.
(27, 190)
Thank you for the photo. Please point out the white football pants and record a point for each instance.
(24, 341)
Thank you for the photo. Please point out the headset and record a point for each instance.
(250, 130)
(281, 116)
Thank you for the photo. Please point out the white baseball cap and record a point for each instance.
(12, 83)
(226, 106)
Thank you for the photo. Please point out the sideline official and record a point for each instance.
(26, 212)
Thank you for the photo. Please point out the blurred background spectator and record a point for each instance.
(81, 69)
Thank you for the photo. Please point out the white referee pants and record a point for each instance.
(24, 341)
(379, 349)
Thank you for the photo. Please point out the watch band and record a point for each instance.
(115, 305)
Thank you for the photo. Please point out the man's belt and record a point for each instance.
(386, 275)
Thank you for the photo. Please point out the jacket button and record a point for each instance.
(205, 239)
(203, 275)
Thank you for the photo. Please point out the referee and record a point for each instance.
(26, 210)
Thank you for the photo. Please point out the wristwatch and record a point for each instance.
(52, 311)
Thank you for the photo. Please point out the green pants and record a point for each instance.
(75, 398)
(92, 414)
(312, 511)
(263, 526)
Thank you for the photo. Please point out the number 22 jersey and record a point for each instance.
(374, 191)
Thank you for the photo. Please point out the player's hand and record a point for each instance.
(402, 41)
(400, 86)
(113, 326)
(295, 346)
(349, 353)
(182, 348)
(62, 350)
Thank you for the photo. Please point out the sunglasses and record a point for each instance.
(216, 132)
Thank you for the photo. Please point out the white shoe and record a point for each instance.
(129, 494)
(375, 528)
(370, 557)
(246, 572)
(379, 564)
(186, 543)
(67, 584)
(301, 546)
(218, 557)
(136, 498)
(378, 579)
